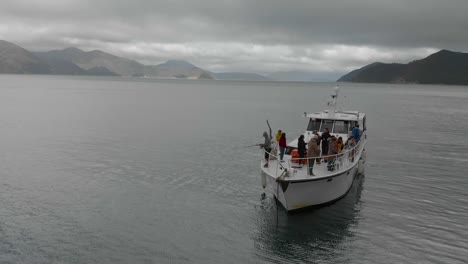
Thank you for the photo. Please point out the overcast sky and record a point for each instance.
(320, 36)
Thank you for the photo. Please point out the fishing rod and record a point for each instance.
(269, 127)
(249, 146)
(259, 144)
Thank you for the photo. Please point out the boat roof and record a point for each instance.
(341, 115)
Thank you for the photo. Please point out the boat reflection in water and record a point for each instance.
(312, 236)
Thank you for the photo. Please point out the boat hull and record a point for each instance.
(295, 195)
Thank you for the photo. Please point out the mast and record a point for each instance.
(332, 104)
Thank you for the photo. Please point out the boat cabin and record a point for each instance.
(338, 123)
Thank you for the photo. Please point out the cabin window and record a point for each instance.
(341, 127)
(327, 124)
(314, 124)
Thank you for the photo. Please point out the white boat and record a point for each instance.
(290, 182)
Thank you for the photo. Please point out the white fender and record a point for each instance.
(361, 166)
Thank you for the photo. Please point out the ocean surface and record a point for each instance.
(128, 170)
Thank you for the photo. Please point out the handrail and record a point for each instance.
(326, 156)
(352, 152)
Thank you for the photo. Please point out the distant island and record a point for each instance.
(240, 76)
(443, 67)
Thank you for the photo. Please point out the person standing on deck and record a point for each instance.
(316, 135)
(325, 136)
(266, 146)
(350, 144)
(318, 139)
(340, 144)
(313, 150)
(356, 132)
(332, 151)
(282, 145)
(278, 135)
(275, 147)
(301, 148)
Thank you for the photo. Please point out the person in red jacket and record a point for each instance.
(282, 145)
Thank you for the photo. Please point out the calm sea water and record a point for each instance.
(115, 170)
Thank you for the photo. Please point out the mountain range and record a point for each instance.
(14, 59)
(73, 61)
(443, 67)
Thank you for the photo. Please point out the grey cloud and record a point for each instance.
(398, 30)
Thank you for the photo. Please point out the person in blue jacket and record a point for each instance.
(356, 132)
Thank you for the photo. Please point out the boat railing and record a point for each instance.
(336, 162)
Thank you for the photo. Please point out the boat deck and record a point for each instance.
(297, 172)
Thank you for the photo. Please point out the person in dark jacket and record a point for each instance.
(325, 136)
(282, 145)
(301, 148)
